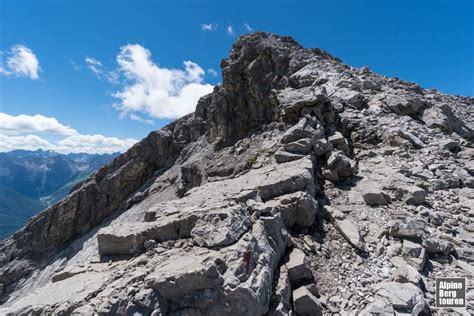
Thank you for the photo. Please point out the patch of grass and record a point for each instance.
(253, 160)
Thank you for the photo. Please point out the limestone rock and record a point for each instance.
(297, 266)
(338, 167)
(406, 273)
(304, 129)
(411, 249)
(200, 217)
(185, 276)
(301, 146)
(410, 229)
(298, 208)
(306, 303)
(338, 141)
(351, 233)
(284, 156)
(374, 197)
(404, 106)
(401, 296)
(321, 147)
(414, 195)
(437, 246)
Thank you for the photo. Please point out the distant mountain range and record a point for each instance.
(33, 180)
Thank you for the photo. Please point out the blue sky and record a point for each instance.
(108, 70)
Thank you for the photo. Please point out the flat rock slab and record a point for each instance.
(351, 233)
(208, 227)
(402, 296)
(69, 292)
(128, 238)
(185, 274)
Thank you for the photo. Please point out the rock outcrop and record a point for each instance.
(301, 185)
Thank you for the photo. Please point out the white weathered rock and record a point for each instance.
(301, 146)
(414, 195)
(338, 141)
(321, 147)
(297, 266)
(298, 208)
(374, 196)
(83, 310)
(221, 228)
(305, 303)
(410, 229)
(404, 106)
(303, 129)
(280, 301)
(351, 233)
(411, 248)
(208, 190)
(282, 156)
(177, 278)
(406, 273)
(338, 167)
(435, 245)
(401, 296)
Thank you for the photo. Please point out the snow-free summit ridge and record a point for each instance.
(300, 185)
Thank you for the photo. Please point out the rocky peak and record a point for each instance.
(300, 185)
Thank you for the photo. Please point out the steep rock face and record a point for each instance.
(300, 181)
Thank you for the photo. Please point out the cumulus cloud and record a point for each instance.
(27, 142)
(230, 30)
(20, 62)
(18, 132)
(156, 91)
(93, 143)
(248, 27)
(209, 26)
(35, 123)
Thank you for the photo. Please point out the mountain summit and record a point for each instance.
(300, 184)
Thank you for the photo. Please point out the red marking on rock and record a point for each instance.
(247, 256)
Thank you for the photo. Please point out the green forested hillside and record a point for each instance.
(15, 210)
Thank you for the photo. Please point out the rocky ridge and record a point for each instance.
(301, 185)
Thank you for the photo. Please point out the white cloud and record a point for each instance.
(99, 70)
(138, 118)
(21, 62)
(35, 123)
(94, 65)
(230, 30)
(248, 27)
(93, 144)
(155, 91)
(18, 132)
(209, 26)
(28, 142)
(212, 72)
